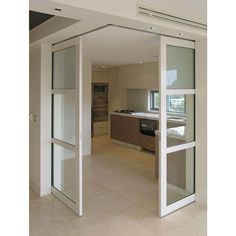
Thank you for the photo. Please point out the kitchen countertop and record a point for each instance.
(176, 132)
(150, 116)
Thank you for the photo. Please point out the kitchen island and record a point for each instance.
(125, 128)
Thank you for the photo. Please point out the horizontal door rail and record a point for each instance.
(63, 144)
(180, 147)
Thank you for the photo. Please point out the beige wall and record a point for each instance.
(100, 77)
(201, 121)
(141, 76)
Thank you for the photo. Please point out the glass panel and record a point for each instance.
(64, 124)
(180, 175)
(180, 68)
(64, 171)
(64, 68)
(180, 121)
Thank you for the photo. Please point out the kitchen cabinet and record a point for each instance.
(147, 142)
(100, 128)
(125, 129)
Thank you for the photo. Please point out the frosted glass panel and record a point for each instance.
(180, 119)
(180, 68)
(64, 68)
(180, 175)
(64, 171)
(64, 124)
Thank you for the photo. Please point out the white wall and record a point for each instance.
(201, 121)
(34, 109)
(45, 120)
(40, 108)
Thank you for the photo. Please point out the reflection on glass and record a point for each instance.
(64, 68)
(180, 119)
(64, 171)
(180, 68)
(64, 124)
(180, 175)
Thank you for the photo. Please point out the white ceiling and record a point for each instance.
(93, 14)
(114, 46)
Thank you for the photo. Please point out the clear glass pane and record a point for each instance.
(64, 171)
(180, 119)
(64, 68)
(180, 68)
(180, 175)
(64, 113)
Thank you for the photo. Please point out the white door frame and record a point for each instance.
(77, 205)
(165, 209)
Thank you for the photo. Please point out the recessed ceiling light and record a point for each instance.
(180, 34)
(57, 9)
(140, 62)
(151, 28)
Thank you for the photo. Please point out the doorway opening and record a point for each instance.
(135, 101)
(121, 173)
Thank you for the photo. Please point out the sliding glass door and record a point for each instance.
(66, 124)
(177, 124)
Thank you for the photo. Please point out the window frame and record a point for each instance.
(151, 99)
(155, 109)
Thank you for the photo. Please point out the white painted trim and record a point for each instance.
(63, 144)
(180, 147)
(162, 127)
(177, 205)
(65, 44)
(45, 191)
(63, 91)
(180, 91)
(178, 42)
(78, 160)
(67, 201)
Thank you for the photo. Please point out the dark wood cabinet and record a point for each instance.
(125, 129)
(147, 142)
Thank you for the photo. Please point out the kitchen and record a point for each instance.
(125, 114)
(133, 117)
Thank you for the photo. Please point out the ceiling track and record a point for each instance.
(154, 14)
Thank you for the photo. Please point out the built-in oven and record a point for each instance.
(148, 127)
(147, 130)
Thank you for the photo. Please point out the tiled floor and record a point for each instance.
(120, 198)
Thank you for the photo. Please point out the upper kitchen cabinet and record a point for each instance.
(140, 76)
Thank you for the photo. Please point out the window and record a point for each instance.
(154, 100)
(174, 103)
